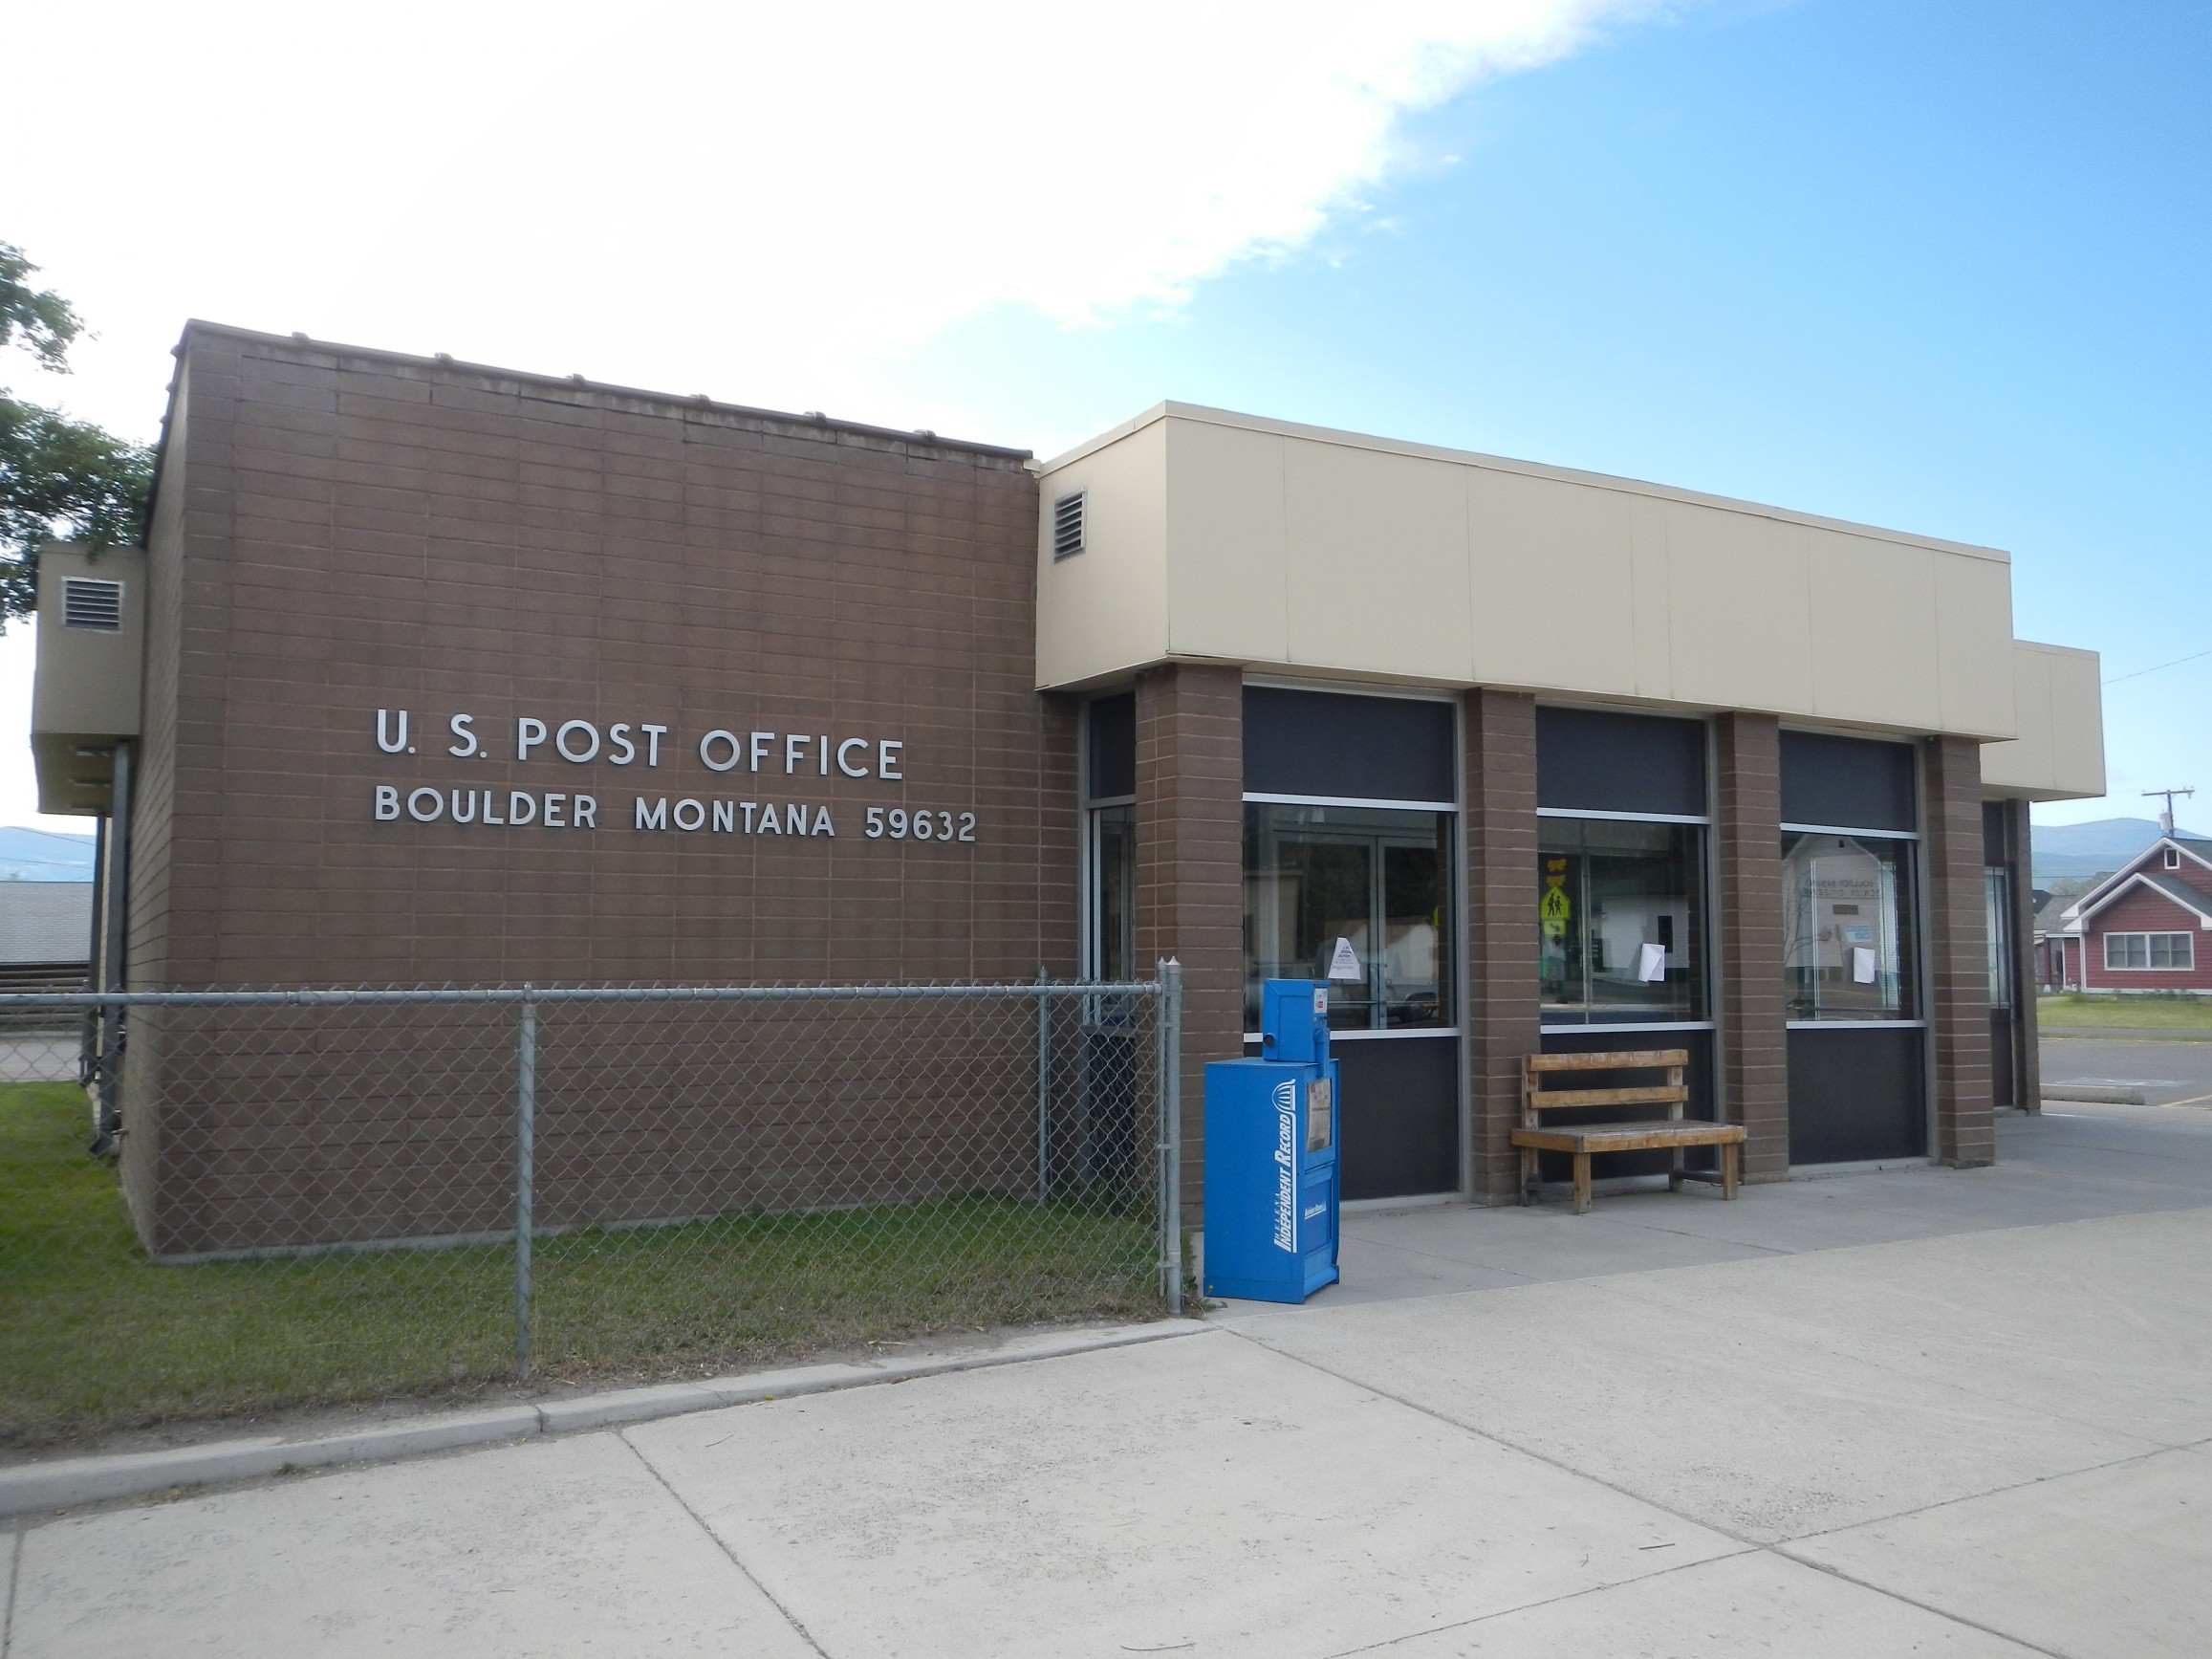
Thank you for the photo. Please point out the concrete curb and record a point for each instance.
(2094, 1093)
(67, 1482)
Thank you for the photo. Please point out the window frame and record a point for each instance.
(1709, 898)
(1913, 927)
(2147, 964)
(1454, 987)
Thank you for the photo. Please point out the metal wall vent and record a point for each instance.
(1068, 525)
(89, 603)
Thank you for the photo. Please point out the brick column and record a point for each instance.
(1500, 969)
(1190, 785)
(1958, 952)
(1754, 1048)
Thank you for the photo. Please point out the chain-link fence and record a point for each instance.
(321, 1196)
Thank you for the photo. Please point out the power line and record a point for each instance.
(2174, 663)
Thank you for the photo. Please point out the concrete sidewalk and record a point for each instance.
(1944, 1412)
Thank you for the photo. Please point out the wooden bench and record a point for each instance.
(1584, 1141)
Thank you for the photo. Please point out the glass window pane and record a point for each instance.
(1620, 921)
(1378, 878)
(1847, 938)
(1114, 905)
(1997, 920)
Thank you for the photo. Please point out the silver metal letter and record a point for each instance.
(561, 740)
(736, 751)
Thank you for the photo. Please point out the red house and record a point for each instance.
(2147, 927)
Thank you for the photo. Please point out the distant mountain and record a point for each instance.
(2077, 851)
(29, 855)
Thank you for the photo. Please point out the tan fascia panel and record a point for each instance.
(1297, 550)
(1200, 412)
(86, 689)
(2059, 752)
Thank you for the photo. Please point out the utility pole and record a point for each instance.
(2166, 818)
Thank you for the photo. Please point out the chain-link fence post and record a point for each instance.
(1044, 1089)
(525, 1173)
(1170, 1115)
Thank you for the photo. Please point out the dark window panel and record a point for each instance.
(1113, 745)
(1322, 743)
(1851, 782)
(1856, 1096)
(1595, 760)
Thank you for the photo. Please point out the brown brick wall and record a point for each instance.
(340, 532)
(1752, 1012)
(360, 533)
(1502, 973)
(1190, 871)
(1958, 952)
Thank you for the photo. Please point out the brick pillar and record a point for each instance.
(1754, 1050)
(1501, 970)
(1190, 785)
(1957, 953)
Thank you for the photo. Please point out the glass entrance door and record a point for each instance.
(1373, 877)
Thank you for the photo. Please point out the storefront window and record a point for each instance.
(1847, 936)
(1620, 919)
(1375, 877)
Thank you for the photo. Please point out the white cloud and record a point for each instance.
(763, 202)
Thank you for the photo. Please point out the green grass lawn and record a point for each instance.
(93, 1336)
(2172, 1013)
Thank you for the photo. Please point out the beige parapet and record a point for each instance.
(1226, 537)
(2060, 752)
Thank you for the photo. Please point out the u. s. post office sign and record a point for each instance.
(773, 766)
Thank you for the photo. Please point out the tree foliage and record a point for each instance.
(59, 478)
(39, 321)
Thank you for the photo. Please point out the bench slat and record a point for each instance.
(1596, 1138)
(1657, 1095)
(1617, 1059)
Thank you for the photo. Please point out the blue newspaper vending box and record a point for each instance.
(1270, 1154)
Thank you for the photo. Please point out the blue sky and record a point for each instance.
(1944, 268)
(1940, 266)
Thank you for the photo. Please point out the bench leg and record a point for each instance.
(1529, 1157)
(1675, 1174)
(1730, 1155)
(1581, 1182)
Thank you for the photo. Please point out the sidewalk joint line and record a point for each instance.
(1778, 1548)
(14, 1591)
(714, 1537)
(1546, 1602)
(1542, 1457)
(1992, 1492)
(1925, 1607)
